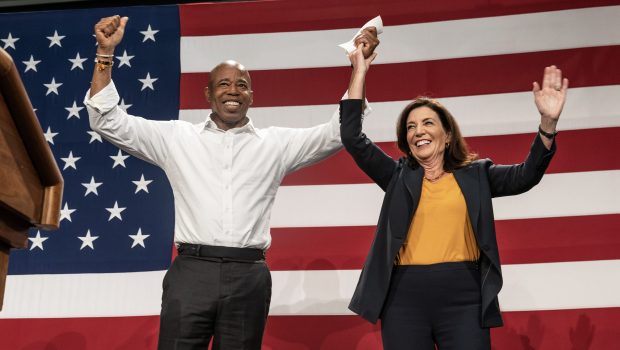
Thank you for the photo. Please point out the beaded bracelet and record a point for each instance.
(102, 64)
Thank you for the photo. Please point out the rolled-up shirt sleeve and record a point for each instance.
(142, 138)
(310, 145)
(104, 101)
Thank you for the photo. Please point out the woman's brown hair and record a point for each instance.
(457, 154)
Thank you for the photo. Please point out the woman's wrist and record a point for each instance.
(360, 70)
(548, 125)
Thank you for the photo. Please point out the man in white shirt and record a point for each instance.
(224, 174)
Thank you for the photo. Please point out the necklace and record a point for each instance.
(433, 179)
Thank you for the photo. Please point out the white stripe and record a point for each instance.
(567, 285)
(414, 42)
(483, 115)
(83, 295)
(564, 194)
(557, 195)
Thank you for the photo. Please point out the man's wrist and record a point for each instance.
(369, 53)
(105, 51)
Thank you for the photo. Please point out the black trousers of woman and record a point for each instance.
(436, 304)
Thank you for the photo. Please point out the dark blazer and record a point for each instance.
(402, 182)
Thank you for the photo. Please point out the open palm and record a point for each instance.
(551, 97)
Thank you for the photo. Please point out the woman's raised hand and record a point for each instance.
(551, 97)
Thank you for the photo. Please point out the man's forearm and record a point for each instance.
(102, 74)
(109, 33)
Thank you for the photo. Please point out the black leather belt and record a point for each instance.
(209, 251)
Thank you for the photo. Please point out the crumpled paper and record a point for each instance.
(376, 22)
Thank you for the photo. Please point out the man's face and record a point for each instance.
(230, 95)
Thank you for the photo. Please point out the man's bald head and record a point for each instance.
(230, 94)
(228, 64)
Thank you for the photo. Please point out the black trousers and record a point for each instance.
(206, 298)
(434, 305)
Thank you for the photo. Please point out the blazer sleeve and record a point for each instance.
(371, 159)
(506, 180)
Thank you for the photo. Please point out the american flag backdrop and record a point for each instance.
(96, 282)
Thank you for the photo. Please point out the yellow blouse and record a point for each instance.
(440, 230)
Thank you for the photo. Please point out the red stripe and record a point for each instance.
(266, 16)
(319, 248)
(542, 330)
(546, 240)
(526, 241)
(403, 81)
(95, 333)
(574, 154)
(558, 329)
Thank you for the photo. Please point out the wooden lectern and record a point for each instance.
(30, 181)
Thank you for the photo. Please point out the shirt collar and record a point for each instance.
(209, 124)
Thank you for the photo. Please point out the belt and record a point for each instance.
(209, 251)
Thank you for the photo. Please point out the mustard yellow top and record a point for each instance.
(440, 230)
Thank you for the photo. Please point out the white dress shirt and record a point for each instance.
(224, 182)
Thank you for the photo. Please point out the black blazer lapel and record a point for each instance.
(404, 201)
(469, 182)
(412, 179)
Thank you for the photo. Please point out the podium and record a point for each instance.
(30, 181)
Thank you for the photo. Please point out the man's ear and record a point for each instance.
(207, 96)
(251, 97)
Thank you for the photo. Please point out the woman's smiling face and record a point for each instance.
(425, 135)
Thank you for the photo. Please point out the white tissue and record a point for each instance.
(376, 22)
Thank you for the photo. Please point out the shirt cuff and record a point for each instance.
(103, 101)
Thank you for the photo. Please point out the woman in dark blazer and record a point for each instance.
(433, 271)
